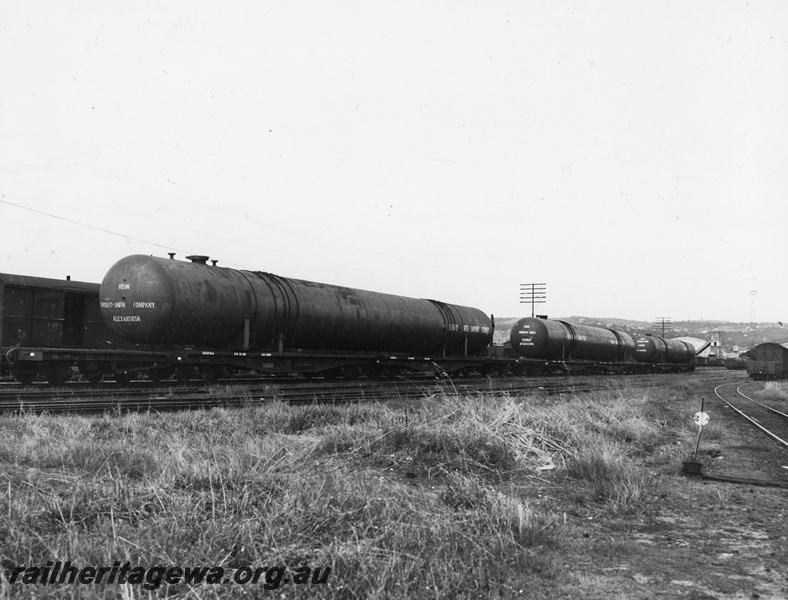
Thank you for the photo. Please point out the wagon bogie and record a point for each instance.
(91, 371)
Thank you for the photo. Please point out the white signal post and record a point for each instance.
(701, 418)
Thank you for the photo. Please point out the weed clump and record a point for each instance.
(612, 477)
(775, 390)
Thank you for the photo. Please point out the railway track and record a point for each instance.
(769, 420)
(145, 396)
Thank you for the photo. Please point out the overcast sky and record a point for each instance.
(630, 155)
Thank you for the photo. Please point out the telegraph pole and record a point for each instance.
(662, 321)
(533, 293)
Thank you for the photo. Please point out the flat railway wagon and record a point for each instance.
(156, 317)
(551, 346)
(768, 361)
(212, 320)
(49, 327)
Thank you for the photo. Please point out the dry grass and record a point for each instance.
(775, 390)
(429, 499)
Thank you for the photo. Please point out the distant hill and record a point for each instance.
(743, 336)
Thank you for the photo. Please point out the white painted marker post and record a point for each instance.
(701, 418)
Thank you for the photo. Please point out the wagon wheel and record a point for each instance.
(210, 373)
(91, 372)
(183, 373)
(93, 377)
(350, 372)
(156, 374)
(24, 376)
(382, 372)
(122, 377)
(57, 373)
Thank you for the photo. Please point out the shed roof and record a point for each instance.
(769, 351)
(701, 346)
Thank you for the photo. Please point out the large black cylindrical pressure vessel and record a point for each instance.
(679, 352)
(558, 340)
(654, 349)
(152, 300)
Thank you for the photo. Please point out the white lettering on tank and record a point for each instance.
(113, 305)
(126, 318)
(144, 304)
(124, 286)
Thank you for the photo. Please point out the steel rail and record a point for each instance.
(185, 398)
(774, 410)
(168, 397)
(750, 419)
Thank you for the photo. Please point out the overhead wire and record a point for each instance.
(41, 212)
(101, 229)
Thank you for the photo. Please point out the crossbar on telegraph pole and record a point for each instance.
(662, 321)
(533, 293)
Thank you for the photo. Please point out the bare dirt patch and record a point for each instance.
(694, 538)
